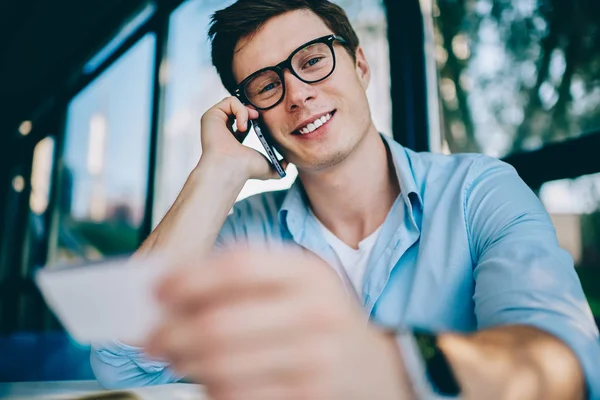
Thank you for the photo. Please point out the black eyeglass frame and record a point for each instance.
(287, 64)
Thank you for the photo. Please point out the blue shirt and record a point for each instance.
(466, 246)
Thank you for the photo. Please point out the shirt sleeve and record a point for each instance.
(117, 365)
(250, 220)
(227, 234)
(521, 274)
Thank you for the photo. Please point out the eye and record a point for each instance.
(312, 61)
(269, 87)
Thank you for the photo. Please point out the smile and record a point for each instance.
(314, 125)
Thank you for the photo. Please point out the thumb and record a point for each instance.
(459, 349)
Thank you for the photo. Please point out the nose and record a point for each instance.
(297, 93)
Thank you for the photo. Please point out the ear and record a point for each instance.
(363, 70)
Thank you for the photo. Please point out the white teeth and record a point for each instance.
(315, 124)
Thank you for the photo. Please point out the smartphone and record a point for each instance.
(263, 134)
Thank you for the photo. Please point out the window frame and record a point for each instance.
(50, 116)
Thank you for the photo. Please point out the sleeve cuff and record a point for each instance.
(118, 365)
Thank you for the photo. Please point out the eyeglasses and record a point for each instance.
(311, 63)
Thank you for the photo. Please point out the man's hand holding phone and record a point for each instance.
(213, 185)
(222, 145)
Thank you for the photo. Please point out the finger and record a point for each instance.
(233, 107)
(252, 112)
(241, 133)
(243, 116)
(286, 363)
(242, 129)
(284, 164)
(236, 273)
(274, 173)
(237, 327)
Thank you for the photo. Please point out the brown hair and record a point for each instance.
(245, 17)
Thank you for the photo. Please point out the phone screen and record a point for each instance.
(263, 134)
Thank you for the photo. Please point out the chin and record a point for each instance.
(325, 155)
(322, 163)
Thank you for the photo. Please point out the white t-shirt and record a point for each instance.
(351, 263)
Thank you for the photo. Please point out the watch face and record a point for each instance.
(439, 372)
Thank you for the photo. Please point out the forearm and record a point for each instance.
(194, 220)
(535, 363)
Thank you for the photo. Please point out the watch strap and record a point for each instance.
(417, 369)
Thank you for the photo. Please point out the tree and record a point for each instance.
(547, 86)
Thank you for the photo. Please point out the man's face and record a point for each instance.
(341, 96)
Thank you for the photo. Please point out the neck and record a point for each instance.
(353, 198)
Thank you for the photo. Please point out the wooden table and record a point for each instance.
(70, 390)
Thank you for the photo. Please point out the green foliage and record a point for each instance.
(590, 280)
(109, 238)
(517, 74)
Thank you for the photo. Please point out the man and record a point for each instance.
(441, 243)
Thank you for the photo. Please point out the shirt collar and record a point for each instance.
(294, 209)
(404, 172)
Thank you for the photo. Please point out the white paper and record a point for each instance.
(113, 300)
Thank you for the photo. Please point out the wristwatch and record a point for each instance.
(427, 367)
